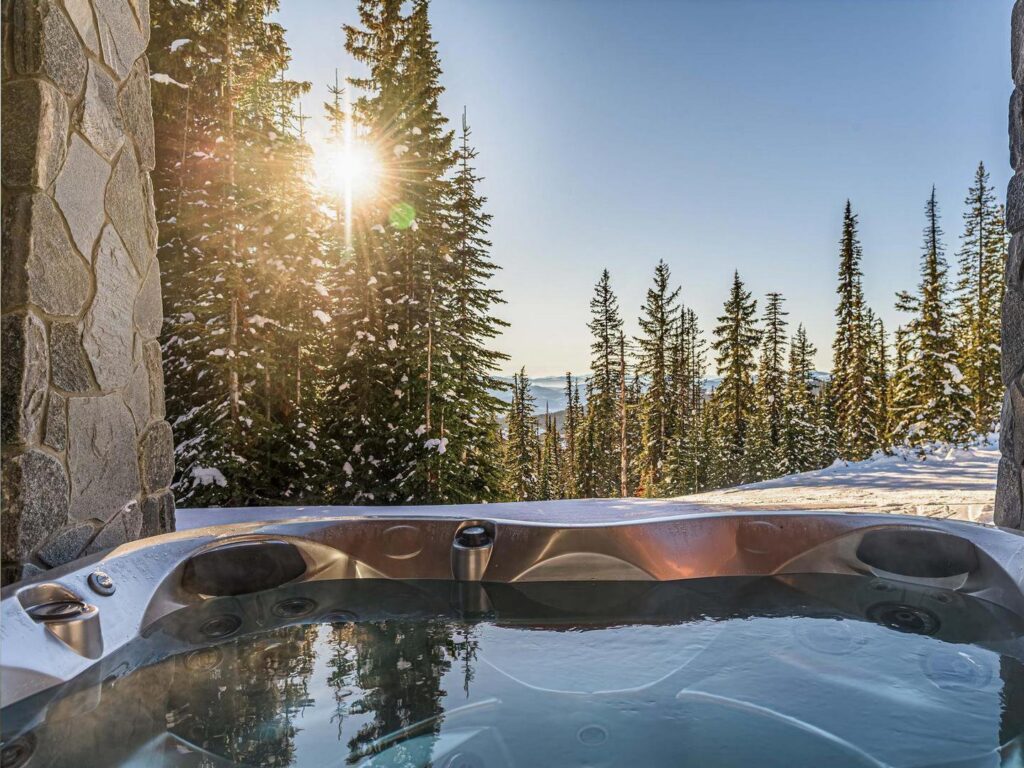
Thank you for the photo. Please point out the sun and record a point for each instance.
(346, 169)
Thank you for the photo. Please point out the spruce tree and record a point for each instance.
(240, 247)
(763, 454)
(654, 347)
(800, 443)
(522, 447)
(979, 293)
(851, 391)
(939, 402)
(410, 409)
(683, 473)
(735, 345)
(605, 325)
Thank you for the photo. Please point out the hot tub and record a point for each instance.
(458, 639)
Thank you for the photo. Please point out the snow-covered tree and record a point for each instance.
(800, 440)
(522, 446)
(936, 405)
(979, 293)
(735, 345)
(240, 246)
(851, 388)
(763, 451)
(658, 319)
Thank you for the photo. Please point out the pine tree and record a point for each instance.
(409, 384)
(550, 474)
(851, 391)
(573, 419)
(657, 325)
(979, 293)
(938, 407)
(800, 444)
(763, 454)
(522, 448)
(683, 473)
(605, 325)
(881, 384)
(736, 339)
(463, 328)
(240, 246)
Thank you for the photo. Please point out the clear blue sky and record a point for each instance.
(716, 134)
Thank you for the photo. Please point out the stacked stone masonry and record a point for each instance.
(87, 455)
(1010, 490)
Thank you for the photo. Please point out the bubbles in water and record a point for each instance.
(956, 670)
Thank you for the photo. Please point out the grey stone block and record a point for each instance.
(149, 306)
(102, 458)
(1008, 496)
(137, 112)
(152, 357)
(158, 514)
(56, 436)
(168, 523)
(131, 210)
(71, 371)
(1017, 43)
(35, 503)
(114, 533)
(40, 265)
(157, 451)
(1013, 445)
(98, 116)
(43, 41)
(80, 12)
(1016, 129)
(1013, 336)
(1015, 203)
(24, 377)
(77, 194)
(108, 335)
(34, 124)
(1015, 264)
(121, 36)
(66, 544)
(136, 397)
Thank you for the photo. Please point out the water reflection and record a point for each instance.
(836, 671)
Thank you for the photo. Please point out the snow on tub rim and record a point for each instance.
(68, 620)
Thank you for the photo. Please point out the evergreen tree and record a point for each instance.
(763, 454)
(851, 391)
(881, 385)
(603, 398)
(550, 473)
(939, 407)
(800, 443)
(462, 360)
(522, 448)
(736, 339)
(657, 325)
(979, 294)
(684, 471)
(409, 383)
(240, 250)
(573, 419)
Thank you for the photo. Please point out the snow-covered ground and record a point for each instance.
(943, 482)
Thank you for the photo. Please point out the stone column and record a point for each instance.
(1011, 439)
(87, 455)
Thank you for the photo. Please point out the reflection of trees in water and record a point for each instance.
(1011, 725)
(342, 665)
(244, 708)
(399, 669)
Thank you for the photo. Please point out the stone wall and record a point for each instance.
(1010, 489)
(87, 455)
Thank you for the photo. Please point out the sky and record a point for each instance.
(717, 135)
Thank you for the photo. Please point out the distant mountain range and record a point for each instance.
(549, 391)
